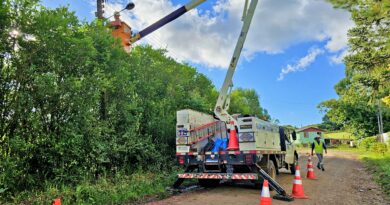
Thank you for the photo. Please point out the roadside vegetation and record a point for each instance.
(83, 120)
(376, 157)
(118, 189)
(379, 165)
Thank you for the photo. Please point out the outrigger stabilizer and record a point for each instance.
(282, 195)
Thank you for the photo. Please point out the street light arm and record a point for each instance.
(129, 6)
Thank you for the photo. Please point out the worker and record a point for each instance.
(319, 146)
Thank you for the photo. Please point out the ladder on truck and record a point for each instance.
(197, 134)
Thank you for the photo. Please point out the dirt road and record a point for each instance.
(345, 181)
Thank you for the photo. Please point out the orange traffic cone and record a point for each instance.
(57, 201)
(233, 140)
(297, 191)
(265, 198)
(310, 171)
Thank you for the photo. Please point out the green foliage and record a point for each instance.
(52, 80)
(379, 165)
(246, 102)
(367, 77)
(379, 148)
(76, 110)
(167, 86)
(329, 125)
(367, 142)
(118, 189)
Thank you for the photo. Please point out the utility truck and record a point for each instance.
(219, 147)
(204, 148)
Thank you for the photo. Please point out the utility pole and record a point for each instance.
(103, 94)
(99, 11)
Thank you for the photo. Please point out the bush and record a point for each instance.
(117, 189)
(378, 147)
(379, 165)
(367, 142)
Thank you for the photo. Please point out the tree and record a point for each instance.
(246, 102)
(367, 78)
(329, 125)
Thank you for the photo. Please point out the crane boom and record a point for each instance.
(223, 100)
(168, 18)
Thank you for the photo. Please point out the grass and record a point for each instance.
(379, 166)
(118, 190)
(339, 135)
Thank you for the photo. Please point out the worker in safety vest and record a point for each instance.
(319, 146)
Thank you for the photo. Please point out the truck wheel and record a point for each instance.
(292, 169)
(292, 166)
(209, 183)
(271, 171)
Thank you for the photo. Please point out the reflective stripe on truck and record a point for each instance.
(235, 152)
(236, 176)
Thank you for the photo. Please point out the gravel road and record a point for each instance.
(345, 181)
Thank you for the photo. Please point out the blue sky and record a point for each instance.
(301, 40)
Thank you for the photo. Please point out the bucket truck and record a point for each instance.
(226, 147)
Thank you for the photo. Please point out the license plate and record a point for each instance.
(182, 148)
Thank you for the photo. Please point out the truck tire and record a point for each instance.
(209, 183)
(292, 169)
(271, 171)
(292, 166)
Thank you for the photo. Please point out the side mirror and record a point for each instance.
(294, 135)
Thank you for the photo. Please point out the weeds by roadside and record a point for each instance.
(118, 190)
(379, 166)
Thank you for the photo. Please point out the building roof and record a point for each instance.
(309, 129)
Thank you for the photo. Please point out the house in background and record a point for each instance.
(338, 138)
(306, 135)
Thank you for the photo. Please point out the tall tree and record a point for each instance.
(367, 79)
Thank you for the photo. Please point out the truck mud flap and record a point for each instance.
(234, 176)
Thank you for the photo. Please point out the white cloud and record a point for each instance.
(338, 58)
(208, 37)
(302, 64)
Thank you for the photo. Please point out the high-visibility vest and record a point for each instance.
(318, 148)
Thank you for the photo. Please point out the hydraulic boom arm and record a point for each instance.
(223, 100)
(170, 17)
